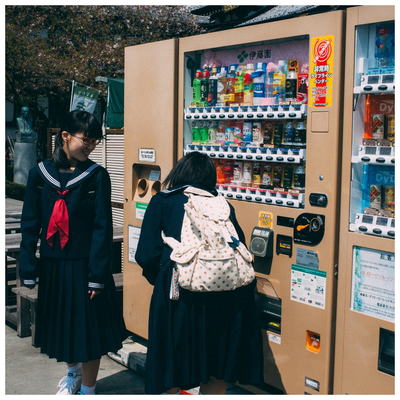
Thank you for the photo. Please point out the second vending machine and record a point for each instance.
(264, 102)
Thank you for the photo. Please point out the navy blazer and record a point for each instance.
(90, 221)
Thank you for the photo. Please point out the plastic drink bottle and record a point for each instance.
(238, 131)
(228, 172)
(195, 132)
(212, 131)
(221, 132)
(248, 88)
(259, 83)
(269, 82)
(291, 85)
(220, 172)
(248, 132)
(221, 87)
(229, 132)
(279, 82)
(197, 87)
(238, 171)
(257, 133)
(302, 80)
(203, 131)
(230, 87)
(247, 173)
(239, 85)
(204, 88)
(213, 88)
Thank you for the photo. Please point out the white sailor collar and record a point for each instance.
(51, 176)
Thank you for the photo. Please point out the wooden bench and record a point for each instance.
(26, 312)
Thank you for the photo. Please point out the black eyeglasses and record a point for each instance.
(87, 141)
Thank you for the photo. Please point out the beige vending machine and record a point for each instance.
(264, 102)
(364, 356)
(149, 154)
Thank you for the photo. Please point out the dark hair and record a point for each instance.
(77, 121)
(194, 168)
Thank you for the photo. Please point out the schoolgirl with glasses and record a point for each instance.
(67, 206)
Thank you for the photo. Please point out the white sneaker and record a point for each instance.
(70, 384)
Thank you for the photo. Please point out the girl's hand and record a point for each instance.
(93, 293)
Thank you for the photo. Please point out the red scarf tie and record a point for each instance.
(59, 222)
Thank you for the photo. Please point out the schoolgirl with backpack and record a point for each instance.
(203, 323)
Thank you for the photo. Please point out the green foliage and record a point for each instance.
(49, 46)
(15, 191)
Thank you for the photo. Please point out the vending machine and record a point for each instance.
(275, 142)
(364, 355)
(264, 102)
(149, 154)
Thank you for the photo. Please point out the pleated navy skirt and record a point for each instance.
(69, 326)
(202, 335)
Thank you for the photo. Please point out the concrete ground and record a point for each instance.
(29, 372)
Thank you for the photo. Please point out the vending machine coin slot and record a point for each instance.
(284, 245)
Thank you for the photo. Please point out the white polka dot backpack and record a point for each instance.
(209, 256)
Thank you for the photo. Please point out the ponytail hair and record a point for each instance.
(77, 121)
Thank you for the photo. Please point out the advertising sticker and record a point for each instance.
(321, 71)
(373, 283)
(308, 286)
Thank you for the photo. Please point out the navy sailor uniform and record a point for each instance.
(76, 233)
(202, 334)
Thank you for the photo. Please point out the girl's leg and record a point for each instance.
(214, 386)
(90, 370)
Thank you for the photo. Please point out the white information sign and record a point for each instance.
(308, 286)
(148, 155)
(133, 239)
(373, 283)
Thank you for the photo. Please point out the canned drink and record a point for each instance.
(267, 176)
(375, 196)
(257, 172)
(378, 126)
(390, 128)
(389, 198)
